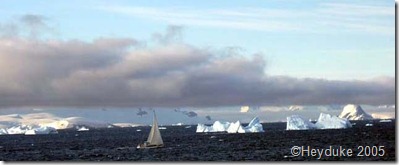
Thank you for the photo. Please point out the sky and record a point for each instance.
(196, 53)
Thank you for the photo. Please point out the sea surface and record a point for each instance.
(183, 144)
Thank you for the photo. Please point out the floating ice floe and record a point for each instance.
(369, 125)
(354, 112)
(385, 121)
(161, 127)
(218, 126)
(325, 121)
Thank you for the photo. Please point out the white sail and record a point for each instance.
(155, 135)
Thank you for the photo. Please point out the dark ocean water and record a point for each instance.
(183, 144)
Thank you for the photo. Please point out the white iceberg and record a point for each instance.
(235, 127)
(3, 132)
(296, 122)
(201, 127)
(253, 126)
(327, 121)
(83, 129)
(220, 126)
(21, 129)
(354, 112)
(41, 130)
(72, 122)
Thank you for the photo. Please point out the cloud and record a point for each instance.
(29, 25)
(325, 17)
(173, 34)
(118, 72)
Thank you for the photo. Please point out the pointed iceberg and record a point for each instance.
(254, 126)
(218, 126)
(354, 112)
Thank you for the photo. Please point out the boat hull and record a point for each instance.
(143, 146)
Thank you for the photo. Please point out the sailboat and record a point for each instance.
(154, 138)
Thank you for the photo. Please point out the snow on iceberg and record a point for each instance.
(354, 112)
(253, 126)
(41, 130)
(296, 122)
(327, 121)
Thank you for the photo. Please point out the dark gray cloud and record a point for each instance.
(117, 72)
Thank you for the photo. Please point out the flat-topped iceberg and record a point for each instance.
(325, 121)
(236, 127)
(296, 122)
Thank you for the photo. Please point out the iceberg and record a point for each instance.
(354, 112)
(220, 126)
(327, 121)
(28, 130)
(83, 129)
(236, 127)
(3, 132)
(72, 122)
(296, 122)
(41, 130)
(21, 129)
(254, 126)
(201, 128)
